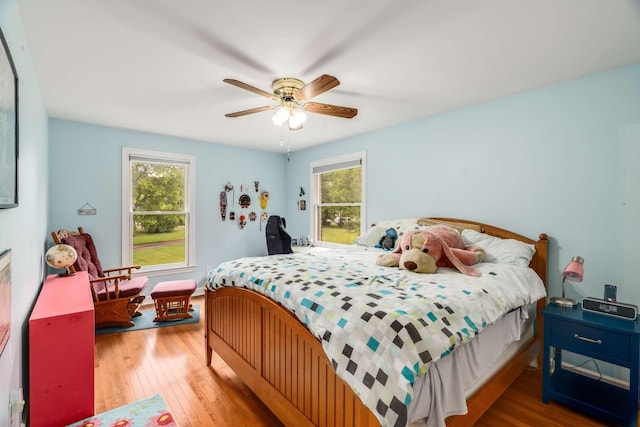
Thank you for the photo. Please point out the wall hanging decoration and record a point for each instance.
(256, 184)
(223, 205)
(228, 187)
(5, 298)
(87, 209)
(245, 201)
(8, 128)
(232, 216)
(302, 204)
(242, 221)
(263, 218)
(252, 216)
(264, 198)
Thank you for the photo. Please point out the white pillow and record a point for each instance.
(401, 225)
(372, 236)
(395, 222)
(502, 251)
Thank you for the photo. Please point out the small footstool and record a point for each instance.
(172, 299)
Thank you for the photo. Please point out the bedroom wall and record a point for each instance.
(85, 163)
(562, 160)
(23, 229)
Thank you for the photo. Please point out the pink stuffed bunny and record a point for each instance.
(423, 251)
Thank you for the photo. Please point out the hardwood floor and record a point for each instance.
(171, 362)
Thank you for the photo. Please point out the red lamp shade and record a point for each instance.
(574, 271)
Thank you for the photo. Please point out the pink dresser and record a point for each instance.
(61, 352)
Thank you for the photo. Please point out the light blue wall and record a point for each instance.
(561, 160)
(85, 163)
(23, 229)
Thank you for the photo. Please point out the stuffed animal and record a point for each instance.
(388, 241)
(423, 251)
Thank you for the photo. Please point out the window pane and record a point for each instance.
(159, 239)
(343, 186)
(157, 187)
(340, 224)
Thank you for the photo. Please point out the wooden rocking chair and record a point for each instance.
(116, 295)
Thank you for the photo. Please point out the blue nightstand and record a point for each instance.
(601, 337)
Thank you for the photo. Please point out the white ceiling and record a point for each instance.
(158, 65)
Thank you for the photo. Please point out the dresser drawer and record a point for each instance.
(591, 341)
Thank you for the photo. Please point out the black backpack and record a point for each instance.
(278, 240)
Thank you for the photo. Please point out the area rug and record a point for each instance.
(149, 412)
(146, 322)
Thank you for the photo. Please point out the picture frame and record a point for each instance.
(8, 128)
(5, 298)
(302, 205)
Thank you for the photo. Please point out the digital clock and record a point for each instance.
(617, 309)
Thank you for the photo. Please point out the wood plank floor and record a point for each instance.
(170, 361)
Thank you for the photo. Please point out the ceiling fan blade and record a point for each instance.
(316, 87)
(251, 111)
(331, 110)
(251, 88)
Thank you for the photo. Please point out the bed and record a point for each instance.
(285, 346)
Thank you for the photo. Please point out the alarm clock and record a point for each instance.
(610, 308)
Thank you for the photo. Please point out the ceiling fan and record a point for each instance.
(292, 96)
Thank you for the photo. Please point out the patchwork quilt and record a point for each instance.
(381, 327)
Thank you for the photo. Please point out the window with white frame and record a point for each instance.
(158, 207)
(338, 199)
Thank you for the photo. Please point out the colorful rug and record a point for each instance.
(149, 412)
(146, 322)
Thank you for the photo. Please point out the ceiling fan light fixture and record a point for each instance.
(281, 116)
(293, 96)
(297, 118)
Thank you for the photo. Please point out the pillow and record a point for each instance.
(502, 251)
(372, 236)
(400, 222)
(401, 225)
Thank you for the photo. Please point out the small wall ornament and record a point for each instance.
(245, 201)
(223, 205)
(264, 198)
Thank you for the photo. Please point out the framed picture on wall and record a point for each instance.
(8, 128)
(5, 298)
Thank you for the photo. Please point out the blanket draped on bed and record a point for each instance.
(382, 327)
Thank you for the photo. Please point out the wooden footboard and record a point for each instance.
(286, 367)
(279, 359)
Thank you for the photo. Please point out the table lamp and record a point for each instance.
(574, 272)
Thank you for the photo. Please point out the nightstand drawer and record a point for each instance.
(591, 341)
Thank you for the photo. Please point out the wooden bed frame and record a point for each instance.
(286, 367)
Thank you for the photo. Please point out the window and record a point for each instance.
(158, 210)
(338, 187)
